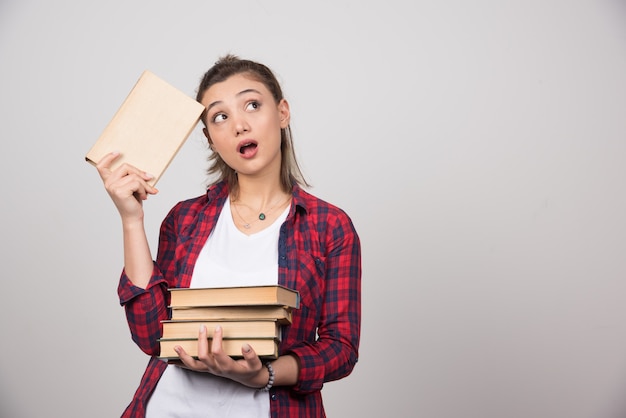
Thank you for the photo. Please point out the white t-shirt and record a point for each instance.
(228, 258)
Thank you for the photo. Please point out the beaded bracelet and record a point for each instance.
(270, 381)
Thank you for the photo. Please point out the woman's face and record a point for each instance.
(243, 124)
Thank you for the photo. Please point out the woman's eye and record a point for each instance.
(253, 105)
(219, 118)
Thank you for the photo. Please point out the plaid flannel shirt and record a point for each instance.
(319, 255)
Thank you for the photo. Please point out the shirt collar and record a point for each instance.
(219, 191)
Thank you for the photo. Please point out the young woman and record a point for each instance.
(254, 225)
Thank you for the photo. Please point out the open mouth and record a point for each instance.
(247, 148)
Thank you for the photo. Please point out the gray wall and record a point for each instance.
(478, 146)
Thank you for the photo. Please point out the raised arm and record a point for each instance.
(128, 188)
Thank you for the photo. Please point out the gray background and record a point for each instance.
(478, 146)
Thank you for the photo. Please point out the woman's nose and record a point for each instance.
(241, 126)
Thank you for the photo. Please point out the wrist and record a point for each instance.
(132, 223)
(270, 379)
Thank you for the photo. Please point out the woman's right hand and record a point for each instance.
(127, 185)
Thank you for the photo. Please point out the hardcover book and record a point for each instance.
(149, 128)
(230, 329)
(263, 347)
(235, 296)
(282, 314)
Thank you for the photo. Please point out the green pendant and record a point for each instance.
(262, 216)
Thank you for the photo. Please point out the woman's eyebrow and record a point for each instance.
(248, 91)
(238, 94)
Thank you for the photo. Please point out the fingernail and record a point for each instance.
(148, 175)
(246, 348)
(202, 328)
(177, 349)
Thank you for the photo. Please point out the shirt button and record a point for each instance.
(273, 397)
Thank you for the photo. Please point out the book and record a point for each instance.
(281, 314)
(263, 347)
(149, 127)
(276, 295)
(230, 329)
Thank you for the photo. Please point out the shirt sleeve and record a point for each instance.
(146, 308)
(335, 352)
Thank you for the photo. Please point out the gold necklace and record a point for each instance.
(262, 215)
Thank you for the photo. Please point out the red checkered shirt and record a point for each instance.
(319, 254)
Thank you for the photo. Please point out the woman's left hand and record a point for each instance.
(248, 371)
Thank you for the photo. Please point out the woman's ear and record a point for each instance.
(284, 113)
(205, 131)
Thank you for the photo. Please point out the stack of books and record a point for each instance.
(248, 314)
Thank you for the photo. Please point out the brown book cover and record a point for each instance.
(149, 128)
(263, 347)
(282, 314)
(230, 329)
(235, 296)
